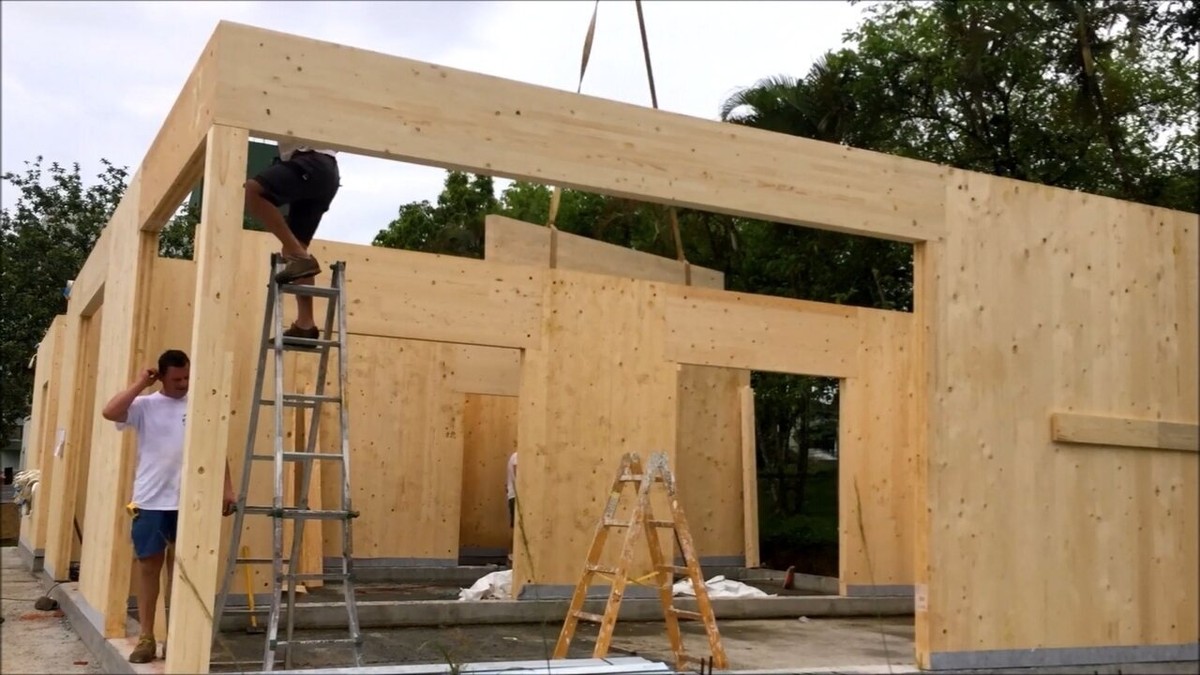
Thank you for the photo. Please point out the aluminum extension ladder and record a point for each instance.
(282, 571)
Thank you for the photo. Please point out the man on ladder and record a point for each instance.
(305, 180)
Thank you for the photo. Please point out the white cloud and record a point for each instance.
(82, 81)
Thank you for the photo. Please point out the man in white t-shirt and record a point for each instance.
(159, 420)
(306, 180)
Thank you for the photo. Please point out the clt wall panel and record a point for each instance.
(1054, 301)
(709, 449)
(877, 460)
(43, 425)
(515, 241)
(598, 386)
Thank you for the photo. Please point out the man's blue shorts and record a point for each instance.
(152, 531)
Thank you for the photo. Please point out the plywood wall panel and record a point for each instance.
(708, 467)
(1053, 301)
(877, 459)
(598, 387)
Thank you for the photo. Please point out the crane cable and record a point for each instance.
(556, 196)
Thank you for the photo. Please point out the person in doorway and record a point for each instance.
(159, 420)
(306, 180)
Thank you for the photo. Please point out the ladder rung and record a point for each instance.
(299, 456)
(318, 641)
(302, 400)
(588, 616)
(628, 523)
(675, 569)
(259, 561)
(309, 290)
(687, 614)
(602, 569)
(315, 576)
(304, 344)
(631, 478)
(300, 514)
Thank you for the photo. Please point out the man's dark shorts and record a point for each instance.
(512, 512)
(307, 183)
(152, 531)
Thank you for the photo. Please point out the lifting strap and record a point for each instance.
(556, 196)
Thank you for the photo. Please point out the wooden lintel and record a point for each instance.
(709, 327)
(282, 86)
(1124, 432)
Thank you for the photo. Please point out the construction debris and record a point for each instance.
(493, 586)
(720, 587)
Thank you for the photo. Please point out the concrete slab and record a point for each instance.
(752, 644)
(32, 641)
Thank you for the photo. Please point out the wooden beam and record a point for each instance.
(175, 160)
(282, 86)
(210, 402)
(89, 282)
(1124, 432)
(739, 330)
(507, 240)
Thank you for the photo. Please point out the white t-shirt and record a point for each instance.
(512, 476)
(159, 421)
(286, 150)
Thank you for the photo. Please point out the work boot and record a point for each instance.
(295, 269)
(145, 651)
(295, 331)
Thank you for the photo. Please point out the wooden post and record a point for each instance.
(106, 559)
(210, 403)
(749, 479)
(60, 500)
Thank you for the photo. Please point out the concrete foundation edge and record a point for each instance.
(452, 612)
(32, 558)
(1063, 657)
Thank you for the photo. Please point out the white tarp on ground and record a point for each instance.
(492, 586)
(498, 586)
(720, 587)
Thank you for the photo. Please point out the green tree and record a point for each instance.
(44, 241)
(453, 226)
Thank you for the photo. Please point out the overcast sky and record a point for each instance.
(90, 80)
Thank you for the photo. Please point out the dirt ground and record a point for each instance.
(32, 641)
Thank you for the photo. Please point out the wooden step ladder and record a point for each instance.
(643, 521)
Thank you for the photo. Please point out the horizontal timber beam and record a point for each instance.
(1123, 432)
(708, 327)
(281, 86)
